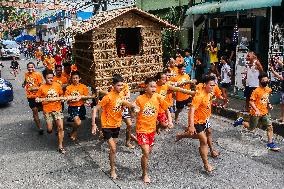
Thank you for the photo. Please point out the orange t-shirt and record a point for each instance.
(182, 78)
(76, 90)
(260, 96)
(202, 105)
(174, 71)
(111, 110)
(49, 63)
(33, 79)
(149, 107)
(62, 80)
(125, 91)
(50, 91)
(166, 93)
(38, 55)
(66, 75)
(179, 60)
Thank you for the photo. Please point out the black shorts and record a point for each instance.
(225, 85)
(248, 91)
(33, 104)
(74, 111)
(110, 133)
(200, 127)
(182, 104)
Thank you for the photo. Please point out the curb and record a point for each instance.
(233, 114)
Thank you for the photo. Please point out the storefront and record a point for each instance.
(246, 23)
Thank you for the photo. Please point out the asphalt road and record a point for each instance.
(31, 161)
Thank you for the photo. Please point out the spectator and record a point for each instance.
(213, 51)
(281, 78)
(15, 67)
(1, 66)
(252, 71)
(188, 61)
(199, 70)
(225, 79)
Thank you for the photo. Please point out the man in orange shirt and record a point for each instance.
(111, 118)
(59, 78)
(49, 62)
(165, 117)
(32, 82)
(52, 110)
(38, 54)
(149, 105)
(172, 67)
(199, 112)
(67, 70)
(216, 93)
(125, 94)
(182, 100)
(259, 116)
(76, 108)
(179, 58)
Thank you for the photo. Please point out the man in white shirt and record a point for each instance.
(252, 71)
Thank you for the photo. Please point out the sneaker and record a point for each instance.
(272, 146)
(238, 122)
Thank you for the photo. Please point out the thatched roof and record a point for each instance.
(105, 16)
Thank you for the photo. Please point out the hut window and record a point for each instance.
(130, 39)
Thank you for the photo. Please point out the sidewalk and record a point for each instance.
(236, 107)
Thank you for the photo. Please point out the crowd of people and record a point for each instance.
(183, 85)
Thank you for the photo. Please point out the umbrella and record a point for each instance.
(25, 37)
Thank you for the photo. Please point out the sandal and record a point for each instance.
(61, 150)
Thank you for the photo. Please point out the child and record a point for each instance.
(52, 110)
(76, 108)
(111, 118)
(198, 114)
(149, 104)
(225, 79)
(259, 116)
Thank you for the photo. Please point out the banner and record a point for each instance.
(32, 5)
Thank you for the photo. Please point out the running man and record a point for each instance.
(76, 108)
(52, 110)
(198, 114)
(111, 118)
(32, 82)
(149, 105)
(15, 66)
(259, 116)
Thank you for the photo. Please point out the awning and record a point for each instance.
(245, 4)
(204, 8)
(233, 5)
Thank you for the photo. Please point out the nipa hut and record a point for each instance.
(99, 45)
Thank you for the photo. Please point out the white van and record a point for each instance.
(9, 49)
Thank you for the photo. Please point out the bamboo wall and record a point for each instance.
(97, 59)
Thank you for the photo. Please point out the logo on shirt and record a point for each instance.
(163, 93)
(51, 93)
(118, 106)
(30, 81)
(264, 99)
(149, 109)
(75, 93)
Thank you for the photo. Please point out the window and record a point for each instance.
(128, 41)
